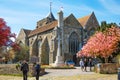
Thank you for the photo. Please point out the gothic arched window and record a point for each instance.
(73, 43)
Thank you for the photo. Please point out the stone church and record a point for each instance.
(72, 33)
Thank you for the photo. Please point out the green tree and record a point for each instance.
(9, 56)
(22, 54)
(104, 25)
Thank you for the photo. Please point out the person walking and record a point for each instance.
(37, 69)
(90, 64)
(85, 64)
(25, 69)
(81, 63)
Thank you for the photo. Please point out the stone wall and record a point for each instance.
(10, 69)
(108, 68)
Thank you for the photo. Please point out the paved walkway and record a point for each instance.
(66, 72)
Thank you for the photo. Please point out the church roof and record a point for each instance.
(48, 19)
(71, 21)
(27, 32)
(84, 20)
(44, 28)
(52, 24)
(51, 17)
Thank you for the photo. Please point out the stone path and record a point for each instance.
(66, 72)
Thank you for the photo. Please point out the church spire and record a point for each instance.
(50, 7)
(50, 16)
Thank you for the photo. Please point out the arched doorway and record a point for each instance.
(74, 45)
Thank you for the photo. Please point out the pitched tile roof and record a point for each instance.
(27, 32)
(49, 18)
(71, 20)
(44, 28)
(84, 20)
(53, 24)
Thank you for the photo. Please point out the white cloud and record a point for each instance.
(38, 9)
(31, 3)
(111, 5)
(77, 10)
(17, 17)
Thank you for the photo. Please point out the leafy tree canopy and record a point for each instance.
(102, 43)
(6, 35)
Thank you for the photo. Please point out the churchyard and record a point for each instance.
(9, 72)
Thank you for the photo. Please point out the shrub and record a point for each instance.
(109, 68)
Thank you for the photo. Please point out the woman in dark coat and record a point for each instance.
(85, 64)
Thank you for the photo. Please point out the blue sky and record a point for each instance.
(25, 13)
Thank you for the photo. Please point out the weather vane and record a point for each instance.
(61, 8)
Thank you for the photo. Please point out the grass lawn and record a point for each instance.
(76, 77)
(82, 77)
(11, 69)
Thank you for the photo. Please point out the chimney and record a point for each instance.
(60, 19)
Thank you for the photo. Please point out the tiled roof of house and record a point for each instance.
(84, 20)
(44, 28)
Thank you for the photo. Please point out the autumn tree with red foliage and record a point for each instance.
(102, 43)
(6, 35)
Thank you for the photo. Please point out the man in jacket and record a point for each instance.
(37, 69)
(24, 69)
